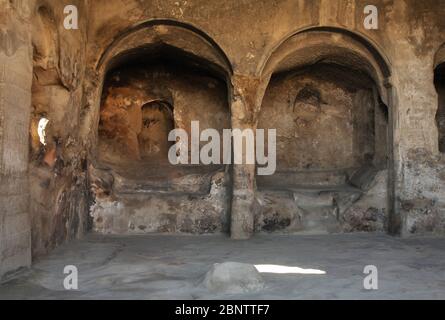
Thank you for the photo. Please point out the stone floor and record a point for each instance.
(172, 267)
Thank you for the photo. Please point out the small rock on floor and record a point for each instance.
(233, 278)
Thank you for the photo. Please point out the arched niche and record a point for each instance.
(329, 97)
(174, 43)
(186, 37)
(157, 122)
(154, 77)
(331, 45)
(160, 60)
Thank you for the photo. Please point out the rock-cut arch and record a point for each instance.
(331, 44)
(335, 60)
(154, 77)
(186, 37)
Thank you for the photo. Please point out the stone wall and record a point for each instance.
(15, 98)
(409, 35)
(320, 112)
(58, 180)
(246, 43)
(188, 96)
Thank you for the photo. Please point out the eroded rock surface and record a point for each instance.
(233, 278)
(84, 116)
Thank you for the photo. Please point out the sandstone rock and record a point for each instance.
(233, 277)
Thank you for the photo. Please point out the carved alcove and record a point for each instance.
(326, 98)
(155, 81)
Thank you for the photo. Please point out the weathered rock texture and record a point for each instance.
(15, 102)
(233, 278)
(324, 111)
(58, 179)
(141, 104)
(359, 115)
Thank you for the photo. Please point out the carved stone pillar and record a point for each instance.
(246, 102)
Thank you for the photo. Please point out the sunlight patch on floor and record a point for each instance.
(271, 268)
